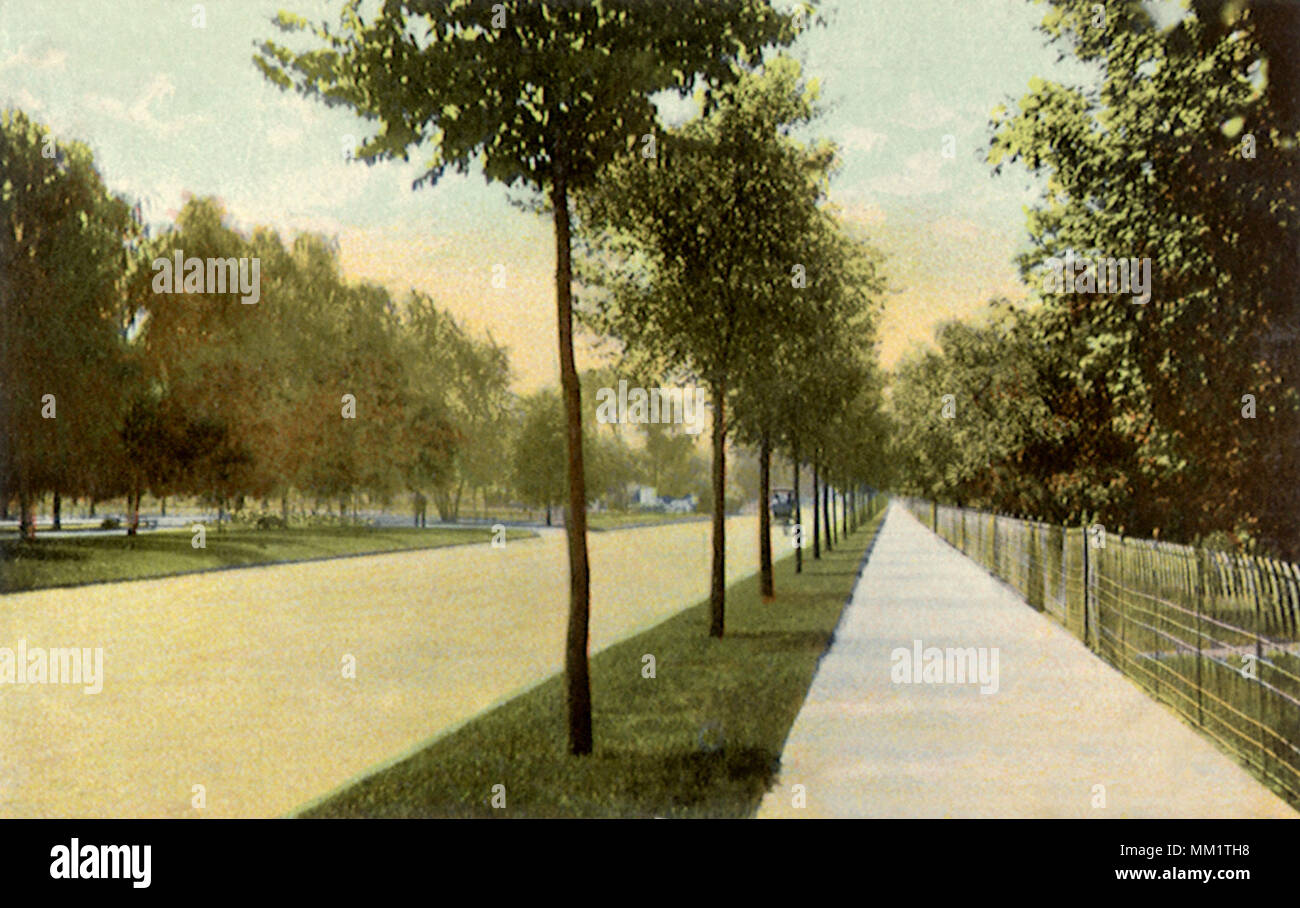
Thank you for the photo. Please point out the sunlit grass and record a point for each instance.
(73, 561)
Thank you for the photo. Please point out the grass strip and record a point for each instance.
(60, 562)
(703, 738)
(632, 521)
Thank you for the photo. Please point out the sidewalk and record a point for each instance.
(1060, 722)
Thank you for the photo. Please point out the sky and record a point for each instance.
(168, 97)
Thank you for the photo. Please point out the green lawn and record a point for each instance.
(95, 559)
(618, 520)
(701, 739)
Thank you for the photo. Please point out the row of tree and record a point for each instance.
(321, 391)
(710, 252)
(1181, 416)
(112, 388)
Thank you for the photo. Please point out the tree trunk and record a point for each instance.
(284, 508)
(798, 517)
(768, 586)
(576, 669)
(844, 513)
(133, 503)
(57, 511)
(817, 528)
(26, 515)
(826, 513)
(162, 506)
(718, 578)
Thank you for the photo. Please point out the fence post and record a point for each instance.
(1259, 663)
(993, 544)
(1121, 601)
(1200, 606)
(1064, 587)
(1091, 634)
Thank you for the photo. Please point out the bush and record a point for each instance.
(271, 522)
(110, 523)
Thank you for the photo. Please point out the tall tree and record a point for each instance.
(1183, 149)
(63, 239)
(687, 250)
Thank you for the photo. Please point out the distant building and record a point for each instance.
(645, 497)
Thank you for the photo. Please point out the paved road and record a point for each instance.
(233, 680)
(1060, 722)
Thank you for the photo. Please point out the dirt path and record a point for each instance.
(233, 680)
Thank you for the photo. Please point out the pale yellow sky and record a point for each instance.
(940, 267)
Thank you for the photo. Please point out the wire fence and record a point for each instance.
(1212, 634)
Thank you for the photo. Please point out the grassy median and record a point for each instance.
(703, 738)
(45, 563)
(628, 520)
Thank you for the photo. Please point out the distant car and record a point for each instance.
(682, 505)
(782, 504)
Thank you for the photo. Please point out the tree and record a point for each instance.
(821, 355)
(63, 258)
(539, 452)
(541, 93)
(459, 389)
(686, 251)
(1182, 151)
(197, 348)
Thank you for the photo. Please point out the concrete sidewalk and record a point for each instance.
(1060, 723)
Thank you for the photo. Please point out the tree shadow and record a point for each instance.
(727, 782)
(784, 640)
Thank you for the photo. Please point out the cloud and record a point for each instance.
(922, 110)
(140, 114)
(921, 175)
(960, 229)
(23, 100)
(52, 59)
(857, 209)
(861, 138)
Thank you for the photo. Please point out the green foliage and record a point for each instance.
(1183, 149)
(539, 457)
(552, 89)
(62, 262)
(690, 255)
